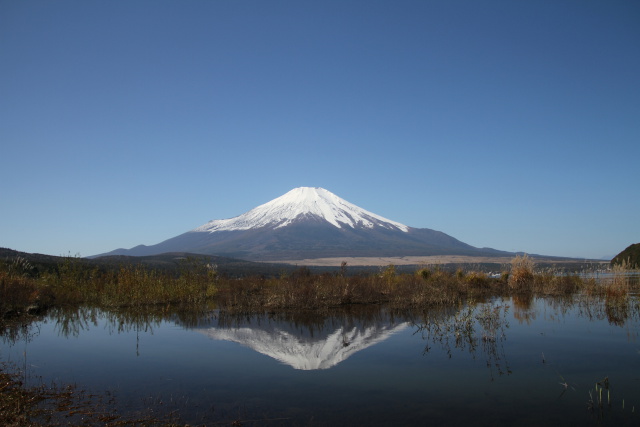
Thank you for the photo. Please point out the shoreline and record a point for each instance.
(420, 260)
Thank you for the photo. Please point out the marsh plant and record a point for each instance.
(75, 283)
(470, 327)
(57, 405)
(620, 283)
(601, 402)
(522, 272)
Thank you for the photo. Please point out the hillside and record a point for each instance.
(630, 256)
(169, 262)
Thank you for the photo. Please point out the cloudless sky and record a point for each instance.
(506, 124)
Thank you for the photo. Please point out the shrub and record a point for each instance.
(425, 273)
(477, 279)
(521, 275)
(16, 294)
(619, 285)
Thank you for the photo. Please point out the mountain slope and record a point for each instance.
(630, 257)
(309, 223)
(302, 204)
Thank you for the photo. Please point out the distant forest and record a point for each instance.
(630, 257)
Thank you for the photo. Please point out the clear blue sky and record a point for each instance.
(506, 124)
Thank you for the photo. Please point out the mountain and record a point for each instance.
(630, 257)
(169, 262)
(309, 223)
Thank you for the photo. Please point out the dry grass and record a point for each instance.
(72, 284)
(620, 284)
(41, 405)
(522, 272)
(553, 283)
(303, 290)
(17, 294)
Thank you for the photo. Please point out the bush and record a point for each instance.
(521, 275)
(477, 279)
(425, 273)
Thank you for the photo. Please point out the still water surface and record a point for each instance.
(503, 362)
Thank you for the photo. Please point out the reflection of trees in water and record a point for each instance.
(69, 322)
(473, 328)
(618, 310)
(523, 308)
(312, 322)
(464, 327)
(72, 321)
(19, 330)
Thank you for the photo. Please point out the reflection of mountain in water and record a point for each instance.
(303, 347)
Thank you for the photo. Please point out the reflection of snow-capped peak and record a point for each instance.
(303, 203)
(304, 352)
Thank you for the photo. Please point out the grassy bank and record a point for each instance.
(73, 283)
(139, 296)
(53, 405)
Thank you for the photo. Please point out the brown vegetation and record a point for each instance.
(73, 283)
(303, 290)
(41, 405)
(521, 275)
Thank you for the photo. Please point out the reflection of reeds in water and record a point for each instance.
(475, 327)
(523, 307)
(472, 326)
(40, 405)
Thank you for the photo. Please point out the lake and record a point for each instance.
(520, 361)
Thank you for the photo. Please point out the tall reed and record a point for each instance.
(522, 272)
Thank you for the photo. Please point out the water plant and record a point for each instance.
(619, 284)
(41, 404)
(74, 282)
(522, 272)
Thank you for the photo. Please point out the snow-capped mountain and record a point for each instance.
(300, 204)
(308, 223)
(324, 348)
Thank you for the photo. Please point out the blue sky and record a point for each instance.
(512, 125)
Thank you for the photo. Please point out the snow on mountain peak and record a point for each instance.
(303, 202)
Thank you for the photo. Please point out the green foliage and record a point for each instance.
(628, 258)
(425, 273)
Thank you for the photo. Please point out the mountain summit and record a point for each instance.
(303, 204)
(308, 223)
